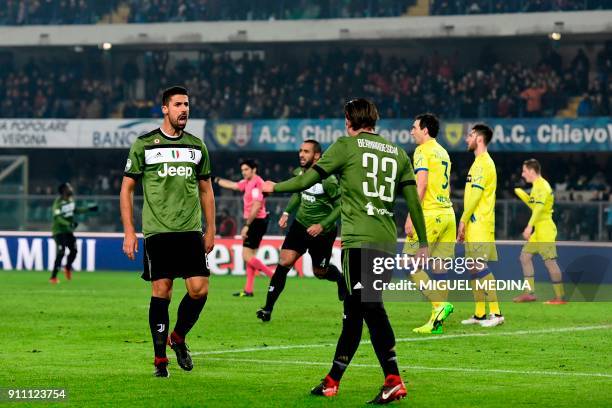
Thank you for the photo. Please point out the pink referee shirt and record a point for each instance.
(253, 191)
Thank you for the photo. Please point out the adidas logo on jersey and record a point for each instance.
(171, 171)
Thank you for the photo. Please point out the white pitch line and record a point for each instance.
(413, 339)
(417, 368)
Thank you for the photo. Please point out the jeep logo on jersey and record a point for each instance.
(171, 171)
(371, 210)
(308, 197)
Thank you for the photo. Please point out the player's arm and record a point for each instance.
(332, 217)
(332, 189)
(407, 186)
(134, 169)
(58, 216)
(470, 206)
(225, 183)
(422, 178)
(126, 204)
(298, 183)
(415, 211)
(536, 201)
(468, 210)
(538, 207)
(89, 208)
(293, 204)
(522, 194)
(207, 201)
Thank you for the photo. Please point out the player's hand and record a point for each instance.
(408, 227)
(282, 222)
(422, 252)
(130, 245)
(74, 224)
(209, 241)
(461, 232)
(315, 230)
(527, 232)
(93, 208)
(244, 231)
(268, 186)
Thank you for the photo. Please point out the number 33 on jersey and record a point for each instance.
(370, 169)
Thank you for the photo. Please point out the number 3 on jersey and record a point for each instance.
(388, 168)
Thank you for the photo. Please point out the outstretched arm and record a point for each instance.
(522, 194)
(298, 183)
(225, 183)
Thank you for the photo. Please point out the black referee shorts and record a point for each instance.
(319, 247)
(173, 255)
(256, 231)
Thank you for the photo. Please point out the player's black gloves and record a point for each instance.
(74, 224)
(93, 207)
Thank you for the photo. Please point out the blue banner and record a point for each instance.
(36, 251)
(511, 135)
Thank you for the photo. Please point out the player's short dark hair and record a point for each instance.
(485, 131)
(170, 92)
(62, 187)
(252, 164)
(361, 113)
(533, 164)
(316, 146)
(429, 121)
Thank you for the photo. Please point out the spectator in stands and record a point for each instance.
(533, 98)
(580, 67)
(585, 107)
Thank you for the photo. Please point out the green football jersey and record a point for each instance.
(372, 170)
(170, 169)
(316, 204)
(63, 215)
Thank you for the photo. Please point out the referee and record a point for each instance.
(174, 168)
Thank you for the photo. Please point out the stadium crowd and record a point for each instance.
(446, 7)
(24, 12)
(251, 87)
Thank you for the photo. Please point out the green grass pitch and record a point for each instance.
(91, 337)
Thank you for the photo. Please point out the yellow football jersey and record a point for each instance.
(482, 175)
(541, 194)
(434, 159)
